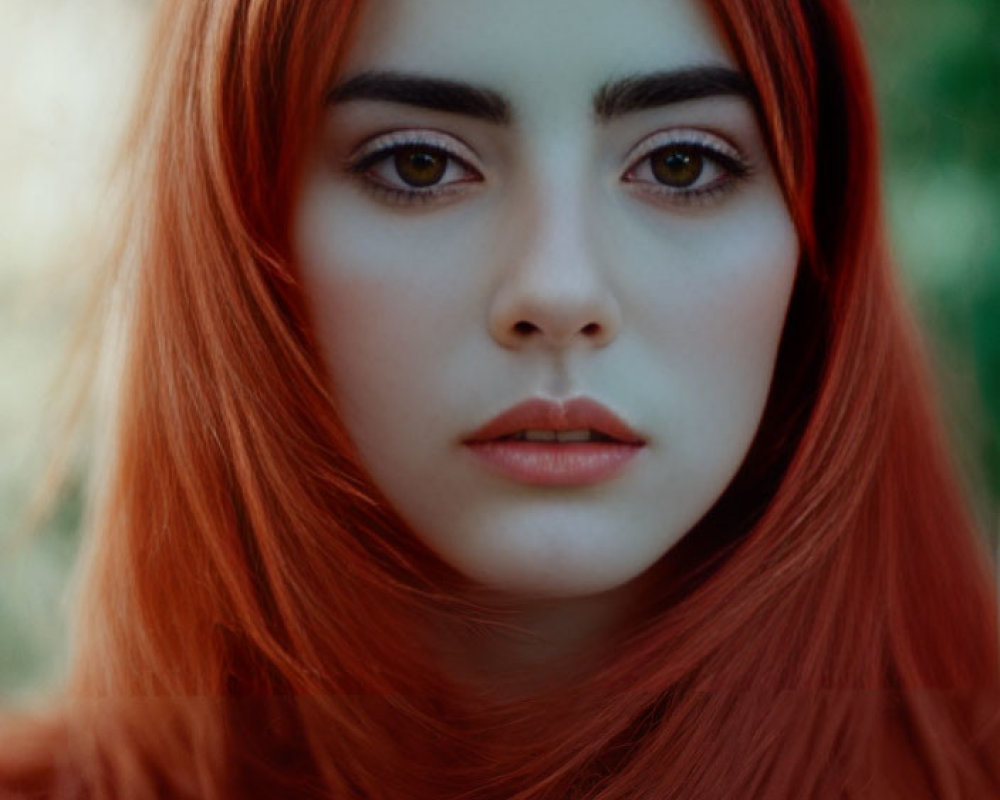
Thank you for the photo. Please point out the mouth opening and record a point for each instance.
(560, 437)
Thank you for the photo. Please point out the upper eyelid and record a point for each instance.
(684, 136)
(384, 142)
(455, 147)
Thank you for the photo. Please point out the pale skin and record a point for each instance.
(548, 246)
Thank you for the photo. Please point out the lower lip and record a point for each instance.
(545, 464)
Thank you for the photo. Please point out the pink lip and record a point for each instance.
(556, 464)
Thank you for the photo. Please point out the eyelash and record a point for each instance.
(734, 167)
(383, 148)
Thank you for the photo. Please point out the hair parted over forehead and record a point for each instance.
(248, 625)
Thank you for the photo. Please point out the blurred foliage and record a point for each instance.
(936, 67)
(31, 598)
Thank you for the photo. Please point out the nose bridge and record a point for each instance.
(554, 285)
(558, 247)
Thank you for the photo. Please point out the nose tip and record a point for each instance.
(554, 294)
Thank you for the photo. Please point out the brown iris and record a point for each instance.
(420, 166)
(677, 166)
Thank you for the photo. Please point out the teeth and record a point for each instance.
(573, 436)
(582, 435)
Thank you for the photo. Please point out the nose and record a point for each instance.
(554, 290)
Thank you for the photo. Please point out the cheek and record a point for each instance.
(718, 285)
(715, 283)
(736, 310)
(369, 362)
(387, 298)
(708, 304)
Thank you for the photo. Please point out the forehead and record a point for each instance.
(534, 48)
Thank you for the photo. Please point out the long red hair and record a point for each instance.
(252, 612)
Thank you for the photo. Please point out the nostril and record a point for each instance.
(524, 328)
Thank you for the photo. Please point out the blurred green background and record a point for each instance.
(67, 68)
(937, 72)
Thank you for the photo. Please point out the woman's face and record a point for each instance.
(559, 201)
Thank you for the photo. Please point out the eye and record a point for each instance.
(684, 165)
(416, 166)
(679, 166)
(420, 167)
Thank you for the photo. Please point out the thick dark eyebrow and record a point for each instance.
(623, 96)
(641, 92)
(436, 94)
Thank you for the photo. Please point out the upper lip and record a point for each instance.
(539, 414)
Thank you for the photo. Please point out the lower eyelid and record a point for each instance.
(403, 195)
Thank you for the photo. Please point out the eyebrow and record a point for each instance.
(641, 92)
(623, 96)
(436, 94)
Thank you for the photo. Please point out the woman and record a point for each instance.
(517, 403)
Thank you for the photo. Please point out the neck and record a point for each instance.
(531, 646)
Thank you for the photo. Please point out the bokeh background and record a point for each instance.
(68, 70)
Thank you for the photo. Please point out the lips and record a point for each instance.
(546, 415)
(543, 442)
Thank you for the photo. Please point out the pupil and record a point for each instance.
(677, 167)
(420, 167)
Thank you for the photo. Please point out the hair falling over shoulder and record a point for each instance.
(250, 615)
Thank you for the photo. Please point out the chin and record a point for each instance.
(551, 568)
